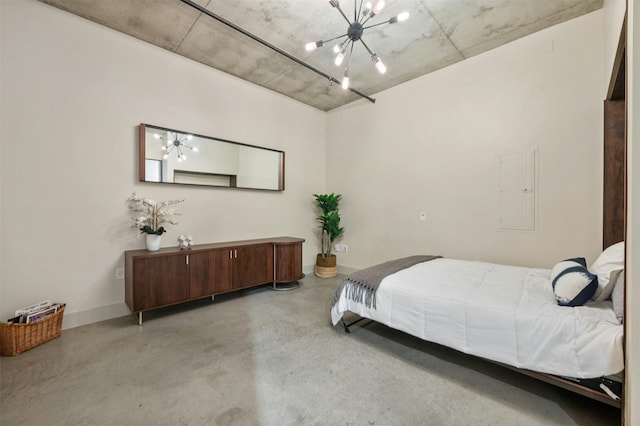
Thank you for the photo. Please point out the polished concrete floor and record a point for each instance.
(261, 357)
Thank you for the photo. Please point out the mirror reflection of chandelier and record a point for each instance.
(176, 142)
(361, 15)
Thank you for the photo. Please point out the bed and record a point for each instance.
(515, 316)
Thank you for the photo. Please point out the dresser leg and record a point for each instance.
(284, 286)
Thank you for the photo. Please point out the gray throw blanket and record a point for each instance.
(362, 285)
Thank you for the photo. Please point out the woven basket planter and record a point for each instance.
(326, 266)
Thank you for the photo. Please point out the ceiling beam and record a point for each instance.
(265, 43)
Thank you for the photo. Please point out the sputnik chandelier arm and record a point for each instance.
(354, 33)
(176, 142)
(336, 4)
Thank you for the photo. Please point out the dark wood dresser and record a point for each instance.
(171, 276)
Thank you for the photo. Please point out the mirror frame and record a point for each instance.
(142, 129)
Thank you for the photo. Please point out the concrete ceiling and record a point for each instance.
(438, 33)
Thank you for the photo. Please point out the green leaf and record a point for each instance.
(149, 230)
(329, 220)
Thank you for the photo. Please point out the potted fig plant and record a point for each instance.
(330, 230)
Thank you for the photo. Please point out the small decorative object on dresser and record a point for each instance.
(330, 230)
(185, 242)
(149, 217)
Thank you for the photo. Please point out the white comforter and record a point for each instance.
(503, 313)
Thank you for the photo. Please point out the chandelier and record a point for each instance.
(361, 15)
(176, 143)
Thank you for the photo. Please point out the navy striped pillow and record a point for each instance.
(573, 284)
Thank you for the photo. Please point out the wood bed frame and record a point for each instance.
(570, 386)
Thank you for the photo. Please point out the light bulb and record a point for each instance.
(378, 63)
(195, 149)
(339, 59)
(378, 8)
(164, 148)
(313, 45)
(399, 18)
(340, 47)
(367, 8)
(157, 136)
(184, 157)
(179, 159)
(345, 80)
(165, 156)
(189, 137)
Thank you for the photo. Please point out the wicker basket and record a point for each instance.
(17, 338)
(325, 272)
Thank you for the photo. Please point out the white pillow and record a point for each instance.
(607, 267)
(573, 284)
(617, 297)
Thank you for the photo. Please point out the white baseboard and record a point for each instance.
(342, 269)
(89, 316)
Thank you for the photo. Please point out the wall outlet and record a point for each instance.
(341, 247)
(423, 216)
(119, 273)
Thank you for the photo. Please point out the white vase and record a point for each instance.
(153, 242)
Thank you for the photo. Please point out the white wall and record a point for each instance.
(613, 14)
(73, 93)
(431, 144)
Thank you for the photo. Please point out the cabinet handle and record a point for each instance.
(230, 254)
(187, 257)
(235, 253)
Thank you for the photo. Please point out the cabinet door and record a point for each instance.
(201, 281)
(288, 262)
(221, 270)
(160, 281)
(252, 265)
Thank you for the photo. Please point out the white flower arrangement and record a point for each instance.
(151, 215)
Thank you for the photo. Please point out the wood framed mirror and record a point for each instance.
(178, 157)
